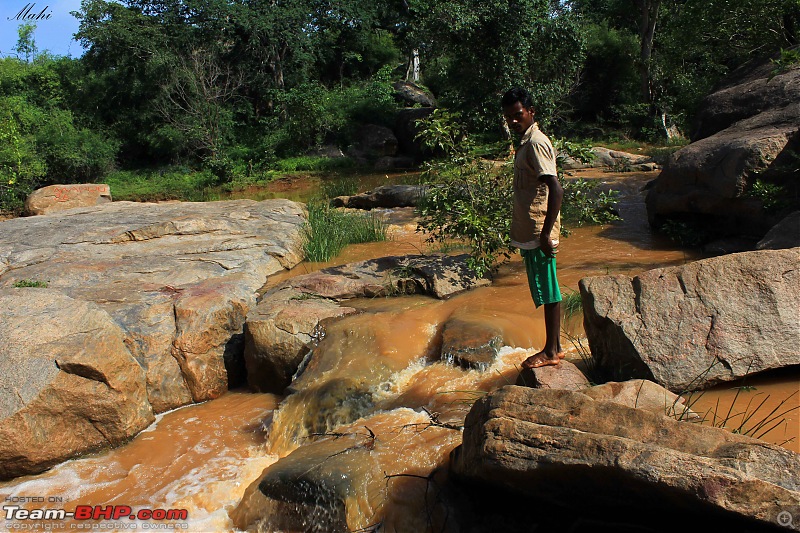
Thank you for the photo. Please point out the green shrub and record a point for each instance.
(771, 195)
(21, 167)
(469, 201)
(329, 230)
(583, 205)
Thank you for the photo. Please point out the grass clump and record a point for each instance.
(329, 230)
(30, 283)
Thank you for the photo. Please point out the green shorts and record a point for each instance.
(542, 278)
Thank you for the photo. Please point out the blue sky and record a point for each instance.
(54, 34)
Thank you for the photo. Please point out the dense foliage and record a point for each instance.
(232, 86)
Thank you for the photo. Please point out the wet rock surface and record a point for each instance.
(277, 338)
(691, 326)
(555, 446)
(469, 343)
(383, 196)
(747, 130)
(175, 279)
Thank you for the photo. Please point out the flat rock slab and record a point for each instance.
(177, 280)
(55, 198)
(556, 446)
(689, 327)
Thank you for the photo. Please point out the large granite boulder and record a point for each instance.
(176, 279)
(563, 448)
(68, 382)
(281, 327)
(748, 130)
(54, 198)
(691, 326)
(383, 196)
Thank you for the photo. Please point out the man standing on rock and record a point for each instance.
(536, 222)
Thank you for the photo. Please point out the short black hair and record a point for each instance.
(517, 94)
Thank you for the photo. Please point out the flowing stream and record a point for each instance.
(204, 458)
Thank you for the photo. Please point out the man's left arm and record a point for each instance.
(554, 196)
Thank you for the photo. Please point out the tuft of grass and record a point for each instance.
(329, 230)
(30, 283)
(591, 368)
(750, 421)
(571, 304)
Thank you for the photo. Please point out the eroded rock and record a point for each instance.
(68, 383)
(176, 279)
(554, 446)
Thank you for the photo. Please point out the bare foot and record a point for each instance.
(561, 355)
(540, 359)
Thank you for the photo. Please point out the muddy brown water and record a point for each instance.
(204, 457)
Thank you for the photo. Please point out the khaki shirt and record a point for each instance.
(535, 158)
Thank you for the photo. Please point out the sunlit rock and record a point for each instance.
(176, 280)
(68, 383)
(55, 198)
(560, 447)
(691, 326)
(565, 376)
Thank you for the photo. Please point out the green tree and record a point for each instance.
(476, 50)
(26, 44)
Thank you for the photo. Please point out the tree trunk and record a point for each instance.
(647, 31)
(412, 72)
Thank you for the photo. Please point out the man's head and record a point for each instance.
(518, 109)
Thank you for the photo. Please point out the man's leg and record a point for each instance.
(544, 289)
